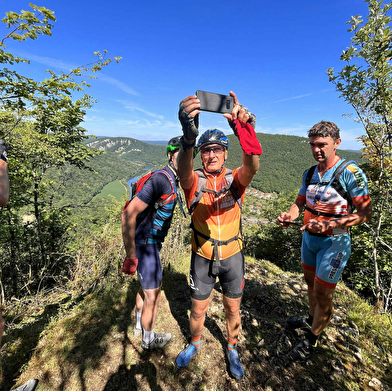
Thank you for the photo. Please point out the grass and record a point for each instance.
(116, 189)
(72, 343)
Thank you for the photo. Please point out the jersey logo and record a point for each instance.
(336, 264)
(359, 180)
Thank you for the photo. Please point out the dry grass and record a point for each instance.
(89, 345)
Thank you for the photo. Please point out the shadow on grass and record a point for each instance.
(265, 307)
(178, 295)
(106, 313)
(27, 339)
(126, 379)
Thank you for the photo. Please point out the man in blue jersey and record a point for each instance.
(334, 199)
(144, 228)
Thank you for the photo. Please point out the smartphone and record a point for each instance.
(291, 222)
(215, 103)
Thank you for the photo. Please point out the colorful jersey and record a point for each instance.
(156, 224)
(217, 218)
(319, 196)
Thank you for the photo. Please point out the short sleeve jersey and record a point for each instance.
(156, 224)
(218, 218)
(321, 197)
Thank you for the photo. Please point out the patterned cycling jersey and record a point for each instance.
(216, 217)
(320, 197)
(156, 224)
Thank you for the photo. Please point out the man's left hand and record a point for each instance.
(130, 265)
(317, 226)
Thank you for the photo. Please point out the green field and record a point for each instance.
(115, 189)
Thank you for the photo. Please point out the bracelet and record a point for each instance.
(3, 157)
(186, 146)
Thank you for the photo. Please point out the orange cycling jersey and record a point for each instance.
(216, 217)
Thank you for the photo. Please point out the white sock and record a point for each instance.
(148, 336)
(138, 320)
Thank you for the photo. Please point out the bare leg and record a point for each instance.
(139, 300)
(323, 309)
(309, 279)
(150, 308)
(233, 317)
(198, 315)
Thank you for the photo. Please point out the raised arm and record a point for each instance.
(189, 117)
(243, 124)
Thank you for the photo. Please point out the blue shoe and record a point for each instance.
(235, 364)
(186, 356)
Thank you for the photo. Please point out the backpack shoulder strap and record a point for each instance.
(309, 175)
(233, 187)
(163, 201)
(201, 187)
(336, 182)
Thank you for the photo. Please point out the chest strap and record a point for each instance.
(318, 213)
(216, 243)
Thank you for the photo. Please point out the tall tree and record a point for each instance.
(41, 122)
(365, 82)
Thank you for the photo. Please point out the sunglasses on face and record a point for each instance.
(215, 150)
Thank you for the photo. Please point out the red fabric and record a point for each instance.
(247, 136)
(130, 266)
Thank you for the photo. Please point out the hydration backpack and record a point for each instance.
(136, 187)
(201, 188)
(334, 183)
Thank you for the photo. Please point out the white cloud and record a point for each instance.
(293, 97)
(67, 67)
(133, 107)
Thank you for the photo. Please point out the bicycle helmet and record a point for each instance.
(173, 145)
(213, 136)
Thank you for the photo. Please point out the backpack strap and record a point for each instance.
(216, 243)
(201, 189)
(230, 186)
(162, 202)
(334, 183)
(309, 175)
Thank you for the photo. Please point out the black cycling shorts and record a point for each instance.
(231, 276)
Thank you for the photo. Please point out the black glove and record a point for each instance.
(3, 150)
(189, 124)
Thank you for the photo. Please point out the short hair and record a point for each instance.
(325, 129)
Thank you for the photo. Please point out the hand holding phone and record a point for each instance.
(215, 103)
(299, 223)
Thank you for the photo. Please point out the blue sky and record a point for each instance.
(273, 55)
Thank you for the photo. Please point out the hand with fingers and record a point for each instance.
(243, 124)
(188, 115)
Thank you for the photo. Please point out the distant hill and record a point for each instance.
(139, 152)
(282, 163)
(156, 142)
